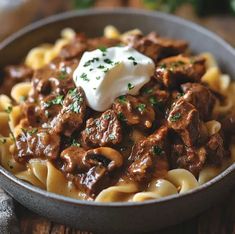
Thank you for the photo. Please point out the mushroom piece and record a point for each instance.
(108, 157)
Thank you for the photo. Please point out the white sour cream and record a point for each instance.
(105, 74)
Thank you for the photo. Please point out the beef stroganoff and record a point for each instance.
(123, 117)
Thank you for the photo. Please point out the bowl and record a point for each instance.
(118, 217)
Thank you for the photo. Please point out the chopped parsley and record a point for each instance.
(88, 63)
(106, 70)
(63, 74)
(147, 90)
(153, 100)
(122, 99)
(103, 49)
(121, 116)
(84, 77)
(8, 109)
(133, 59)
(101, 67)
(75, 143)
(106, 116)
(130, 86)
(141, 107)
(112, 136)
(162, 65)
(157, 150)
(98, 77)
(180, 95)
(75, 106)
(56, 101)
(3, 140)
(29, 131)
(175, 117)
(108, 61)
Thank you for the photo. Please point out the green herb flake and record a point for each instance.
(84, 77)
(8, 109)
(108, 61)
(162, 65)
(175, 117)
(141, 107)
(121, 116)
(135, 63)
(106, 70)
(101, 67)
(122, 99)
(112, 136)
(130, 86)
(75, 143)
(32, 131)
(77, 98)
(153, 100)
(157, 150)
(103, 49)
(63, 74)
(106, 116)
(147, 90)
(131, 58)
(98, 78)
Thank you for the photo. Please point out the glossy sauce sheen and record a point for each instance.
(137, 124)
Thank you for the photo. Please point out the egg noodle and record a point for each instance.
(43, 174)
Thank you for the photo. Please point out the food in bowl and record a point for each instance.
(123, 117)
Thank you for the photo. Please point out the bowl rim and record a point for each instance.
(101, 11)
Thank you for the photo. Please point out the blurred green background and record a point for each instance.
(217, 15)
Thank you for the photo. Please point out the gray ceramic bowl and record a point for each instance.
(118, 217)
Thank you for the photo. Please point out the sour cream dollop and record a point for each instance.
(105, 74)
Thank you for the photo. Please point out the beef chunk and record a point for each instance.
(215, 150)
(176, 70)
(72, 158)
(94, 168)
(36, 143)
(76, 48)
(201, 97)
(184, 119)
(147, 154)
(71, 116)
(105, 130)
(134, 111)
(156, 96)
(13, 75)
(228, 123)
(154, 46)
(192, 159)
(55, 78)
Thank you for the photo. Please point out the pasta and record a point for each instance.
(153, 158)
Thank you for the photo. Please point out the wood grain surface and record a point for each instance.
(220, 219)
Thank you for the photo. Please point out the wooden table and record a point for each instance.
(219, 219)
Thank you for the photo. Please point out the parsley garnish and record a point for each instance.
(9, 109)
(106, 70)
(131, 58)
(57, 101)
(135, 63)
(98, 77)
(103, 49)
(157, 150)
(77, 99)
(75, 143)
(121, 116)
(153, 101)
(122, 99)
(63, 74)
(29, 131)
(101, 67)
(112, 136)
(108, 61)
(175, 117)
(141, 107)
(88, 63)
(106, 116)
(84, 77)
(147, 90)
(130, 86)
(162, 66)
